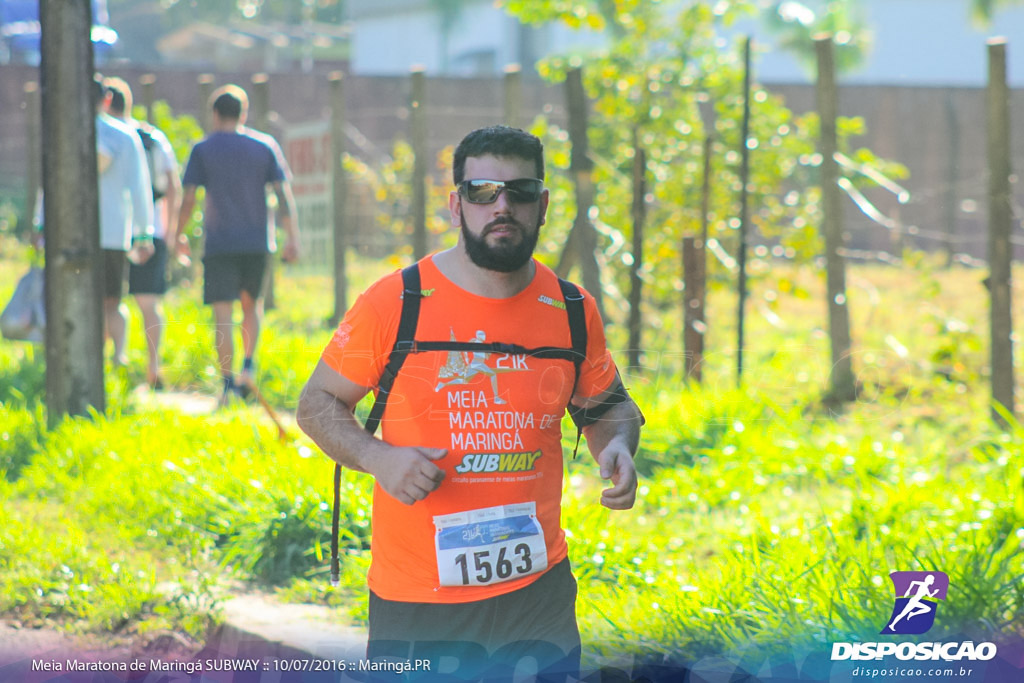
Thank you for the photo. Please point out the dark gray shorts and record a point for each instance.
(226, 276)
(151, 276)
(486, 639)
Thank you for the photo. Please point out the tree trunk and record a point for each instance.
(581, 244)
(636, 283)
(74, 304)
(843, 386)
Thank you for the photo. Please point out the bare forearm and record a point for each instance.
(333, 427)
(170, 209)
(407, 473)
(622, 421)
(288, 223)
(286, 209)
(188, 202)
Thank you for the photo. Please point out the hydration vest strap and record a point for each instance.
(335, 528)
(404, 342)
(584, 417)
(578, 333)
(546, 352)
(404, 338)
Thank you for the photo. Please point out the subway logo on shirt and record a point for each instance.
(497, 462)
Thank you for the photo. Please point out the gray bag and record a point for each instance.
(24, 317)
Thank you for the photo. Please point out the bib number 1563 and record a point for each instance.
(491, 545)
(501, 567)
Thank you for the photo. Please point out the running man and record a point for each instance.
(915, 606)
(476, 364)
(469, 559)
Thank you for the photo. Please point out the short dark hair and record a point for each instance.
(229, 102)
(499, 141)
(97, 90)
(120, 95)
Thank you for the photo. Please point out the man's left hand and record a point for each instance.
(291, 252)
(617, 465)
(141, 252)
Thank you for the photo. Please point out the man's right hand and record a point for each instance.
(407, 473)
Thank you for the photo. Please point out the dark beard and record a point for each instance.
(504, 258)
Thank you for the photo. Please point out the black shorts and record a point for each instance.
(115, 264)
(226, 276)
(489, 639)
(151, 276)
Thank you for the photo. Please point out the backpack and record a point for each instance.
(158, 179)
(406, 343)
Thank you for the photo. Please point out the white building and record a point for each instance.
(391, 36)
(915, 42)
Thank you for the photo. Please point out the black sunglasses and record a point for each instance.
(520, 190)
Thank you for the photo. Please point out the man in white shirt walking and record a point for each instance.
(126, 212)
(147, 282)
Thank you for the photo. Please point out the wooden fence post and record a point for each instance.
(953, 191)
(513, 94)
(694, 264)
(260, 105)
(843, 387)
(636, 283)
(1000, 224)
(74, 306)
(147, 83)
(341, 229)
(205, 83)
(32, 174)
(418, 121)
(260, 116)
(741, 260)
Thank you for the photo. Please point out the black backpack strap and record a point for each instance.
(335, 528)
(578, 333)
(148, 141)
(404, 344)
(545, 352)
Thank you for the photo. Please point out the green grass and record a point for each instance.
(766, 517)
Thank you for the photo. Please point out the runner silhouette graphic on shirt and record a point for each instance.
(915, 606)
(464, 366)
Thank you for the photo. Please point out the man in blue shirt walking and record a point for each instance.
(236, 164)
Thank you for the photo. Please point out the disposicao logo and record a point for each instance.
(917, 596)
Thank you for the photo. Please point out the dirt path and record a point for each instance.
(21, 646)
(184, 401)
(196, 403)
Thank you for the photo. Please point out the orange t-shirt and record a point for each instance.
(494, 524)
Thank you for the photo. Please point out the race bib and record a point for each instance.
(490, 545)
